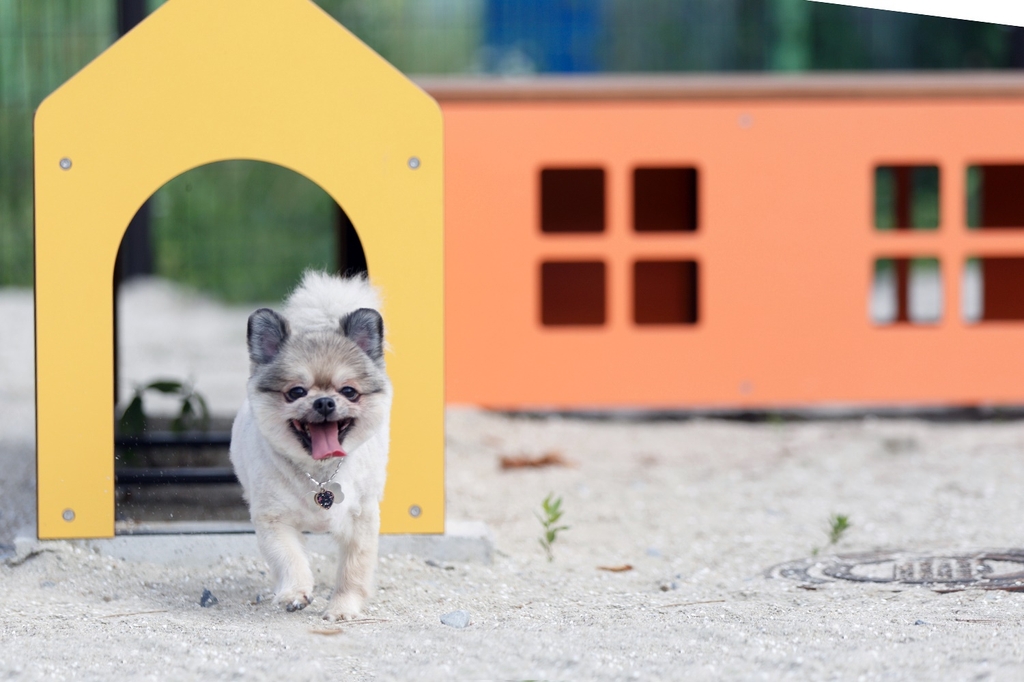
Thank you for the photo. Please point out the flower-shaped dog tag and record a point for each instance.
(327, 495)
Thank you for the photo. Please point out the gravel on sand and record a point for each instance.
(698, 510)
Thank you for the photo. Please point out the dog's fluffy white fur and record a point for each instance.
(273, 467)
(321, 300)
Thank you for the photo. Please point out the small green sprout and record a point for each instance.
(838, 524)
(552, 513)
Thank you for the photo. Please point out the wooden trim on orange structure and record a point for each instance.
(639, 87)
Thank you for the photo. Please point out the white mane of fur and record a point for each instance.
(321, 300)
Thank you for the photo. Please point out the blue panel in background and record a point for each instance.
(524, 36)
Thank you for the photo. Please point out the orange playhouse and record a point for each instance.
(734, 242)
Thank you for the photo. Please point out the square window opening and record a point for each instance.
(995, 196)
(665, 292)
(665, 199)
(906, 290)
(572, 200)
(906, 197)
(572, 293)
(993, 290)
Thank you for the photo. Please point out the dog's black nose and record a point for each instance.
(324, 405)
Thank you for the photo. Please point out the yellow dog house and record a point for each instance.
(197, 82)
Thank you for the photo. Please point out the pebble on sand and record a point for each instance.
(456, 619)
(207, 599)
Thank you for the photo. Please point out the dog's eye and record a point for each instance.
(349, 393)
(295, 393)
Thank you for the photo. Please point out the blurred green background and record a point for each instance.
(242, 231)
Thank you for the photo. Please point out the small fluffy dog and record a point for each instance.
(310, 444)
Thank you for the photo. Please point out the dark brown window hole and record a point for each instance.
(995, 196)
(906, 197)
(906, 290)
(665, 199)
(572, 200)
(572, 293)
(665, 292)
(1001, 292)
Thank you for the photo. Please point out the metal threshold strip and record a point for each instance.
(182, 527)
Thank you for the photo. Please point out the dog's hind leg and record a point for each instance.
(282, 546)
(357, 564)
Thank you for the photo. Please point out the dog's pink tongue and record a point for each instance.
(325, 440)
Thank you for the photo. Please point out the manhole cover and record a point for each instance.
(994, 570)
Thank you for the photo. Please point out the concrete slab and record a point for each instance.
(204, 544)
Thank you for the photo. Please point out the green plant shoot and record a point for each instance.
(552, 513)
(838, 524)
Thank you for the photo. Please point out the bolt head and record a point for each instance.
(415, 511)
(68, 515)
(414, 162)
(65, 163)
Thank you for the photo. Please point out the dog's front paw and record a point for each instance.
(295, 600)
(344, 607)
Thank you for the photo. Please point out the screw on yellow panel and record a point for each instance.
(197, 82)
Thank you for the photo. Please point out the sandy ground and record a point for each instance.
(699, 509)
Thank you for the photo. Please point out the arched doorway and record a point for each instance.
(201, 253)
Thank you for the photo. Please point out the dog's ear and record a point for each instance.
(266, 334)
(366, 328)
